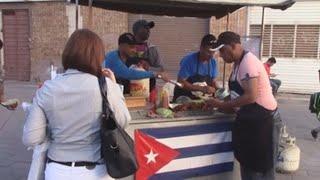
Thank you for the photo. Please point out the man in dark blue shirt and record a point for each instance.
(198, 67)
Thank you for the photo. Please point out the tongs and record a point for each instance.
(172, 82)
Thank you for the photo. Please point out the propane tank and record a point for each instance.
(288, 159)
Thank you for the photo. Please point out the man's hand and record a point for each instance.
(10, 104)
(163, 75)
(212, 103)
(273, 75)
(208, 90)
(145, 64)
(108, 73)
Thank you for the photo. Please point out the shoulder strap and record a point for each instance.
(237, 67)
(209, 68)
(198, 56)
(107, 114)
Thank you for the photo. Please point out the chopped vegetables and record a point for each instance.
(165, 113)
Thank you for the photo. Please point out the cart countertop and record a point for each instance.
(139, 116)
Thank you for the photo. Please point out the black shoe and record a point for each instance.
(314, 134)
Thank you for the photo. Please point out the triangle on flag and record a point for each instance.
(151, 155)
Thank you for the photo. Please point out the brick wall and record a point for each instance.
(49, 33)
(107, 24)
(237, 23)
(49, 30)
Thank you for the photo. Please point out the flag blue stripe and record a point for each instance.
(179, 131)
(188, 173)
(204, 150)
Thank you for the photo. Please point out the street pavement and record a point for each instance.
(15, 159)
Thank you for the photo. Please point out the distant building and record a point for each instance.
(293, 37)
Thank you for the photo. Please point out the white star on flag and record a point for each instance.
(151, 157)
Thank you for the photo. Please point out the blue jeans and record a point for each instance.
(248, 174)
(275, 84)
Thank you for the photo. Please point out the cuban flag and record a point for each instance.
(184, 151)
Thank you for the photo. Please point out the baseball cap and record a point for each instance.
(211, 41)
(127, 38)
(142, 23)
(227, 38)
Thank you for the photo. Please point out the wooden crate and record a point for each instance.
(133, 102)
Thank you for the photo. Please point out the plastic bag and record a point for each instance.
(39, 159)
(39, 156)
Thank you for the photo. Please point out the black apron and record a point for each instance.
(252, 131)
(193, 79)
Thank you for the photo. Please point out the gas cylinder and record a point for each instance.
(288, 158)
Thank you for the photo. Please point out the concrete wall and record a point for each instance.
(302, 12)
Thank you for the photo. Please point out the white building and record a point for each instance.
(293, 38)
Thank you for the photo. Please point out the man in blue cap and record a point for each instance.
(145, 51)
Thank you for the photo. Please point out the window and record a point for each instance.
(282, 40)
(307, 41)
(301, 41)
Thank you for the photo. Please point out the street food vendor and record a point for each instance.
(117, 61)
(198, 67)
(256, 129)
(145, 50)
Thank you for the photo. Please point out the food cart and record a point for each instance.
(197, 144)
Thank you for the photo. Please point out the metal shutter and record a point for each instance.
(307, 41)
(16, 44)
(174, 37)
(282, 40)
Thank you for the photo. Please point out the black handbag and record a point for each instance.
(117, 147)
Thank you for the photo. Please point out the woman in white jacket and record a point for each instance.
(69, 109)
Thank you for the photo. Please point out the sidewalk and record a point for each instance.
(14, 157)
